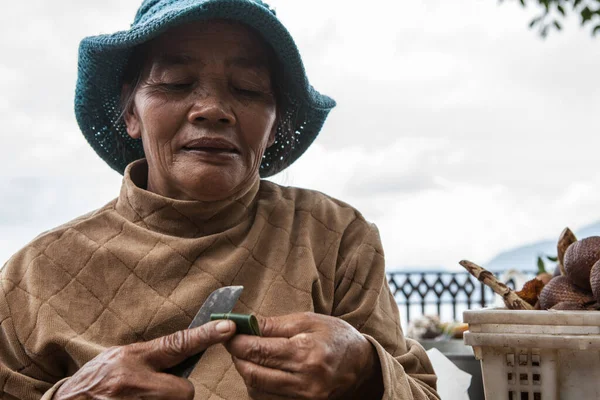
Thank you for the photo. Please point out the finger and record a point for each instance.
(167, 351)
(289, 325)
(131, 384)
(277, 353)
(166, 386)
(263, 380)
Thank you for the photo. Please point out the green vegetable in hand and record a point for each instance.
(246, 324)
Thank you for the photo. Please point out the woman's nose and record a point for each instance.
(211, 109)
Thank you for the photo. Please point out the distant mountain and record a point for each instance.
(525, 257)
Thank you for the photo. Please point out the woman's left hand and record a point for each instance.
(305, 356)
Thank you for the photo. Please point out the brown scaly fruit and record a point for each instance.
(595, 280)
(569, 305)
(560, 289)
(579, 260)
(531, 291)
(566, 239)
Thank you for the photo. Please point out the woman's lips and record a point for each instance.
(211, 146)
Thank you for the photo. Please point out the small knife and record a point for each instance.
(220, 301)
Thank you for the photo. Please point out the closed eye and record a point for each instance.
(249, 92)
(176, 87)
(252, 91)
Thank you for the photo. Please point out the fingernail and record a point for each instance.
(224, 326)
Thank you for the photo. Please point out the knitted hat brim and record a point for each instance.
(104, 58)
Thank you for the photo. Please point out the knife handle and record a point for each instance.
(185, 368)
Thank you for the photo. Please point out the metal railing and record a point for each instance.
(440, 292)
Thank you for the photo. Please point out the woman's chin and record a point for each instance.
(210, 184)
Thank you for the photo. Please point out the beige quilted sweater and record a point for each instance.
(141, 267)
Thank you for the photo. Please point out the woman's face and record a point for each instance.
(205, 110)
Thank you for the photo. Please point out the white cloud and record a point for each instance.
(424, 218)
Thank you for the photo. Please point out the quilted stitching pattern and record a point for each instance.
(119, 276)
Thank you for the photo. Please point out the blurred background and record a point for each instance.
(459, 131)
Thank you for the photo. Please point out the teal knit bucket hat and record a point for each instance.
(103, 61)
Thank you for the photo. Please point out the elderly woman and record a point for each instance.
(197, 101)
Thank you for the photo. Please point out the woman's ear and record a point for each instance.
(132, 121)
(272, 134)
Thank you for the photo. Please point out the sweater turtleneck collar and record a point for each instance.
(178, 217)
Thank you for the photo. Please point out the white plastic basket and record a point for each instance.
(536, 355)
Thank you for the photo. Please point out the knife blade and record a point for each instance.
(221, 300)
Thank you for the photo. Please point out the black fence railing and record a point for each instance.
(444, 293)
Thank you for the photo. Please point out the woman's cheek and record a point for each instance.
(163, 123)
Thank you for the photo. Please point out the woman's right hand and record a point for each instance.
(134, 371)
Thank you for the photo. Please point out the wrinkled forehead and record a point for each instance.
(205, 40)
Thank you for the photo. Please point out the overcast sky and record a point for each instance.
(458, 131)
